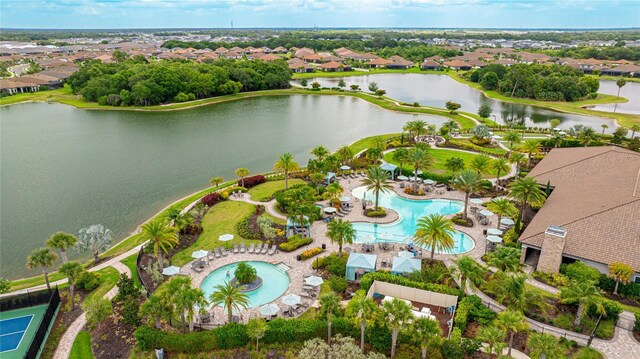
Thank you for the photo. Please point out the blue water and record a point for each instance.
(274, 284)
(410, 211)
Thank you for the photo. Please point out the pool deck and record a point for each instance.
(318, 232)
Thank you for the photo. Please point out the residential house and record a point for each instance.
(334, 67)
(622, 70)
(430, 65)
(298, 65)
(457, 65)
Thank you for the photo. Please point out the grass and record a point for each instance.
(630, 308)
(82, 346)
(367, 142)
(108, 279)
(220, 219)
(587, 353)
(311, 313)
(441, 156)
(267, 189)
(130, 262)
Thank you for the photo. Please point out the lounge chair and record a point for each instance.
(352, 176)
(210, 256)
(223, 251)
(235, 248)
(339, 214)
(258, 248)
(216, 252)
(363, 174)
(242, 248)
(196, 268)
(273, 249)
(265, 249)
(251, 248)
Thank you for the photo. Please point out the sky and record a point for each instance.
(113, 14)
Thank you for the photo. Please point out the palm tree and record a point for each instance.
(435, 231)
(511, 322)
(161, 235)
(256, 329)
(506, 259)
(178, 219)
(184, 298)
(286, 164)
(94, 238)
(554, 123)
(231, 296)
(512, 137)
(634, 129)
(242, 173)
(215, 181)
(320, 152)
(341, 232)
(366, 309)
(468, 182)
(620, 83)
(620, 272)
(502, 207)
(543, 345)
(531, 147)
(587, 135)
(62, 241)
(42, 258)
(517, 158)
(424, 330)
(511, 291)
(334, 190)
(329, 308)
(454, 164)
(377, 181)
(604, 127)
(479, 163)
(586, 294)
(421, 159)
(492, 336)
(155, 308)
(397, 314)
(400, 156)
(344, 154)
(451, 125)
(72, 270)
(556, 137)
(500, 165)
(468, 268)
(525, 191)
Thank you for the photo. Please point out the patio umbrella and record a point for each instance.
(291, 299)
(345, 168)
(486, 213)
(225, 237)
(494, 231)
(494, 239)
(313, 280)
(405, 254)
(556, 128)
(345, 199)
(367, 239)
(172, 270)
(496, 137)
(418, 173)
(386, 236)
(269, 309)
(428, 181)
(329, 210)
(562, 133)
(403, 178)
(199, 254)
(507, 221)
(475, 200)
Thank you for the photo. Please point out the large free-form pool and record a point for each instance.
(410, 211)
(275, 282)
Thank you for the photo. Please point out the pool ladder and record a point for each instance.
(282, 268)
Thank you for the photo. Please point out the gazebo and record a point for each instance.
(360, 263)
(403, 265)
(303, 229)
(331, 177)
(389, 168)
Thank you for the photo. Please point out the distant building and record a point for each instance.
(430, 65)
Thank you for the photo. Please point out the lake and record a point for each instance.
(64, 168)
(630, 91)
(435, 90)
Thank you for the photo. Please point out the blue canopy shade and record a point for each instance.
(330, 177)
(360, 262)
(345, 199)
(405, 265)
(389, 168)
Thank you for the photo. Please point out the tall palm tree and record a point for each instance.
(72, 270)
(341, 232)
(468, 269)
(512, 137)
(503, 207)
(424, 330)
(435, 231)
(501, 166)
(451, 125)
(62, 241)
(421, 159)
(345, 154)
(366, 310)
(634, 129)
(334, 190)
(397, 314)
(320, 152)
(512, 322)
(511, 290)
(554, 123)
(454, 165)
(42, 258)
(468, 182)
(377, 181)
(183, 298)
(178, 219)
(518, 159)
(587, 135)
(620, 272)
(620, 83)
(480, 163)
(543, 345)
(400, 156)
(525, 191)
(586, 294)
(155, 308)
(556, 137)
(242, 173)
(161, 235)
(531, 147)
(286, 164)
(329, 309)
(491, 335)
(231, 296)
(604, 127)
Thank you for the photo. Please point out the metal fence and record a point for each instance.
(28, 299)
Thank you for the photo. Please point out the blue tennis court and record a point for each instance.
(12, 331)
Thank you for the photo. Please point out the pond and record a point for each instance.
(65, 168)
(436, 90)
(630, 91)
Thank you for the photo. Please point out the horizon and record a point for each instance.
(452, 29)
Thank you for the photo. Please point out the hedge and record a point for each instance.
(294, 243)
(368, 278)
(466, 146)
(637, 326)
(631, 290)
(245, 230)
(471, 308)
(252, 181)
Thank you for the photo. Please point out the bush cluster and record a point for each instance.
(334, 264)
(636, 327)
(338, 283)
(630, 290)
(580, 272)
(379, 213)
(88, 281)
(368, 279)
(470, 308)
(311, 253)
(211, 199)
(554, 279)
(252, 181)
(246, 230)
(510, 237)
(294, 242)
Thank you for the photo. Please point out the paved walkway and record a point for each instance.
(66, 342)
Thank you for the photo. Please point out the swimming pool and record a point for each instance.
(410, 211)
(275, 282)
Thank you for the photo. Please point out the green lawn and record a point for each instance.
(220, 219)
(82, 346)
(441, 156)
(108, 279)
(130, 262)
(367, 142)
(311, 313)
(267, 189)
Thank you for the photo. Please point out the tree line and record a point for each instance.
(138, 83)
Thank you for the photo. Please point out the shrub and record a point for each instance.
(338, 284)
(311, 253)
(631, 290)
(368, 279)
(126, 288)
(211, 199)
(130, 309)
(294, 242)
(181, 97)
(379, 213)
(554, 279)
(459, 220)
(252, 181)
(587, 353)
(407, 351)
(88, 281)
(246, 230)
(379, 336)
(612, 308)
(580, 272)
(245, 273)
(471, 308)
(236, 189)
(564, 321)
(636, 327)
(334, 264)
(510, 237)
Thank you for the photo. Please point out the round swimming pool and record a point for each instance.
(275, 282)
(410, 211)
